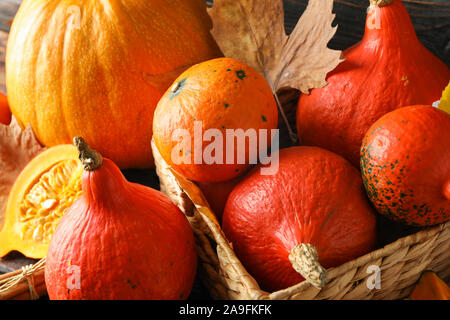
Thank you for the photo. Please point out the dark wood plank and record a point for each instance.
(3, 40)
(431, 19)
(8, 9)
(14, 261)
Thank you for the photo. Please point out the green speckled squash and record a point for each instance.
(405, 164)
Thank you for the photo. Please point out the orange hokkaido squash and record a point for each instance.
(201, 122)
(98, 68)
(5, 113)
(430, 287)
(119, 240)
(405, 165)
(40, 196)
(387, 70)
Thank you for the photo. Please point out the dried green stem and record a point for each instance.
(305, 260)
(90, 159)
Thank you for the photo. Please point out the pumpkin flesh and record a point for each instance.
(40, 196)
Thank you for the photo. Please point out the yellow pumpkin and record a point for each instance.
(98, 68)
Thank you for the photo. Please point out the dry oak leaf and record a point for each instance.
(17, 148)
(252, 31)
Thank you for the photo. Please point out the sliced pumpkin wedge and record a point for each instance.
(41, 194)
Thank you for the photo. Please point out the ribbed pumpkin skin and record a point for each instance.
(98, 68)
(222, 94)
(316, 197)
(405, 163)
(388, 69)
(127, 241)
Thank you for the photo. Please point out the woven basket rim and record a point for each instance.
(386, 250)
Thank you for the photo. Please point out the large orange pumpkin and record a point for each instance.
(314, 205)
(210, 100)
(98, 68)
(388, 69)
(405, 164)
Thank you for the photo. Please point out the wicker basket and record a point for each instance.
(400, 263)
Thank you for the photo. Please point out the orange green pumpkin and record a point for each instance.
(207, 101)
(405, 165)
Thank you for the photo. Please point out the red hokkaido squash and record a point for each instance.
(119, 240)
(314, 206)
(388, 69)
(5, 113)
(405, 165)
(98, 68)
(216, 193)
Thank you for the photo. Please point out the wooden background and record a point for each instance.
(431, 20)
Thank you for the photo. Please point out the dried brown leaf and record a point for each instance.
(17, 148)
(252, 31)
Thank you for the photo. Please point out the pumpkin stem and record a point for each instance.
(292, 135)
(305, 260)
(90, 159)
(380, 3)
